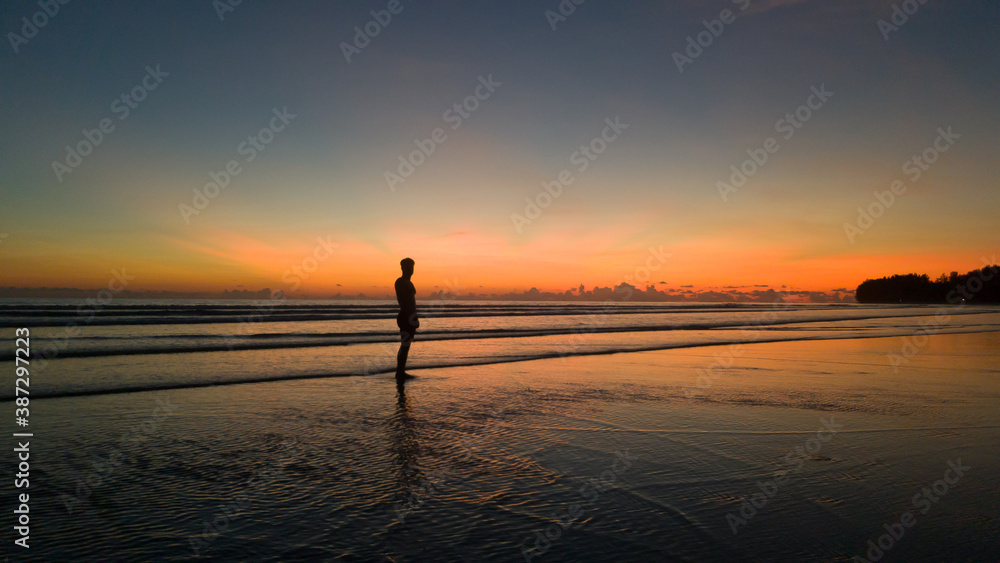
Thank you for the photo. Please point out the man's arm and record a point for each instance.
(399, 292)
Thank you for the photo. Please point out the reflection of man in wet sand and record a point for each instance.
(407, 320)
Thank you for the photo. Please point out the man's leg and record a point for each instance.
(404, 351)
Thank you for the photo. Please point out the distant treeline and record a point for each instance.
(975, 287)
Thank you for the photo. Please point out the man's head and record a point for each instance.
(407, 265)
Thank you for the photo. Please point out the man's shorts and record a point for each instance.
(407, 329)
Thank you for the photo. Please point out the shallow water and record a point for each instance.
(472, 463)
(144, 345)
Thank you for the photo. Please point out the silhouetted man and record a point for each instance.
(407, 320)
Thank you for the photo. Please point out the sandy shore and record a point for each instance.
(790, 451)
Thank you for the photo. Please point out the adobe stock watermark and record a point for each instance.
(122, 107)
(364, 34)
(589, 494)
(900, 15)
(87, 310)
(566, 8)
(656, 259)
(696, 44)
(385, 360)
(913, 168)
(428, 485)
(294, 276)
(420, 493)
(258, 482)
(31, 26)
(300, 272)
(796, 459)
(224, 7)
(249, 149)
(582, 158)
(454, 117)
(104, 469)
(724, 360)
(786, 127)
(924, 501)
(913, 344)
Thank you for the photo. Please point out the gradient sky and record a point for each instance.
(323, 175)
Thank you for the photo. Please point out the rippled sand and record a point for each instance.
(626, 457)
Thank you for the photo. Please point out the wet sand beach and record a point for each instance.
(797, 451)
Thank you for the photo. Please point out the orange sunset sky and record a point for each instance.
(322, 174)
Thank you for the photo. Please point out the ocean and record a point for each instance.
(174, 343)
(241, 431)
